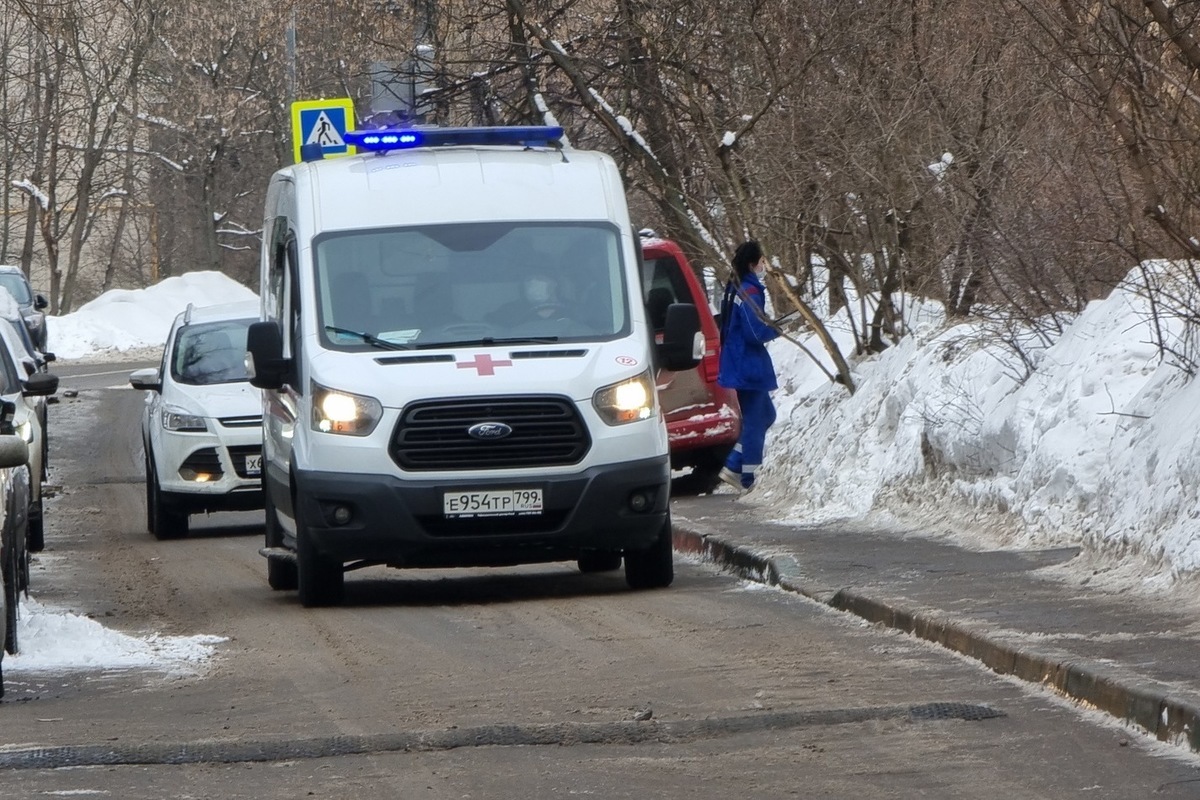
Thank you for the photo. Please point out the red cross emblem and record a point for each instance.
(484, 364)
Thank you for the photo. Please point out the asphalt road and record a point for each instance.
(501, 683)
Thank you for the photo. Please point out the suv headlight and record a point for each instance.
(628, 401)
(344, 413)
(177, 419)
(25, 431)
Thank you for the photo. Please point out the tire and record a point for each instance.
(599, 562)
(36, 538)
(12, 593)
(654, 567)
(705, 474)
(281, 575)
(321, 581)
(162, 520)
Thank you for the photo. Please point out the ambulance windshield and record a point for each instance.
(440, 285)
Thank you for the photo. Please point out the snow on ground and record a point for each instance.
(1089, 439)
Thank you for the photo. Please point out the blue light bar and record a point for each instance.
(406, 138)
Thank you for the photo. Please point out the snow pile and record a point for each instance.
(124, 319)
(55, 641)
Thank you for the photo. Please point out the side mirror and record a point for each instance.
(40, 384)
(147, 379)
(49, 357)
(40, 302)
(265, 363)
(13, 451)
(682, 346)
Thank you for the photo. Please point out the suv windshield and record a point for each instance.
(441, 285)
(17, 286)
(211, 352)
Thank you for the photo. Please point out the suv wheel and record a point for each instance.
(162, 520)
(36, 538)
(281, 575)
(11, 599)
(705, 474)
(654, 567)
(321, 580)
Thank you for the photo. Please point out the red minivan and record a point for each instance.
(703, 420)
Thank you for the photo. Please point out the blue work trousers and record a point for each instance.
(758, 414)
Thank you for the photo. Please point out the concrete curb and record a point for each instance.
(1166, 718)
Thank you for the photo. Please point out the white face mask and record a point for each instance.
(760, 268)
(539, 290)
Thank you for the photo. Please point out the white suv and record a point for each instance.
(202, 425)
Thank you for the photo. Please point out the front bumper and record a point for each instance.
(400, 522)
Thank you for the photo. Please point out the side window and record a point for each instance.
(290, 316)
(276, 267)
(9, 380)
(664, 284)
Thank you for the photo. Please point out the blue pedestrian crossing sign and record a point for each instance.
(324, 123)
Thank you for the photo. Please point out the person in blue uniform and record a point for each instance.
(746, 366)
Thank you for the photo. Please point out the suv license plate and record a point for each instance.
(253, 465)
(506, 503)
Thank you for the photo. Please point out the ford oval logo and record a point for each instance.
(489, 430)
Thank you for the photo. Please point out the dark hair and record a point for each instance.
(747, 255)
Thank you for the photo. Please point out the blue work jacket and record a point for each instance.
(745, 362)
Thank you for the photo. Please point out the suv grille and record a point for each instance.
(546, 431)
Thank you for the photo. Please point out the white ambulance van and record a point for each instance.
(456, 363)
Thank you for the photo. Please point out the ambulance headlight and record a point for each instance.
(627, 401)
(344, 413)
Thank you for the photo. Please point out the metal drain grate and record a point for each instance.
(965, 711)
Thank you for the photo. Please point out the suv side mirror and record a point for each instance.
(13, 451)
(265, 363)
(146, 379)
(40, 384)
(683, 344)
(40, 302)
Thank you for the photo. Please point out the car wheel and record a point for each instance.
(599, 562)
(705, 475)
(11, 599)
(321, 580)
(164, 522)
(281, 575)
(654, 567)
(36, 538)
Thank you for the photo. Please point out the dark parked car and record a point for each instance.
(32, 305)
(703, 420)
(14, 505)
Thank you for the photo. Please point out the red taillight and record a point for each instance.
(710, 365)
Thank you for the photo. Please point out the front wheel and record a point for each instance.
(654, 567)
(321, 580)
(162, 520)
(11, 599)
(36, 538)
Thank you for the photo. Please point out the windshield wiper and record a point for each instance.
(489, 340)
(369, 338)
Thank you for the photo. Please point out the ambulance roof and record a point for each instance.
(458, 184)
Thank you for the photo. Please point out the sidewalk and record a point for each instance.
(1135, 662)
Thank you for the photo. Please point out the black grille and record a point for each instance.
(204, 461)
(238, 455)
(546, 431)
